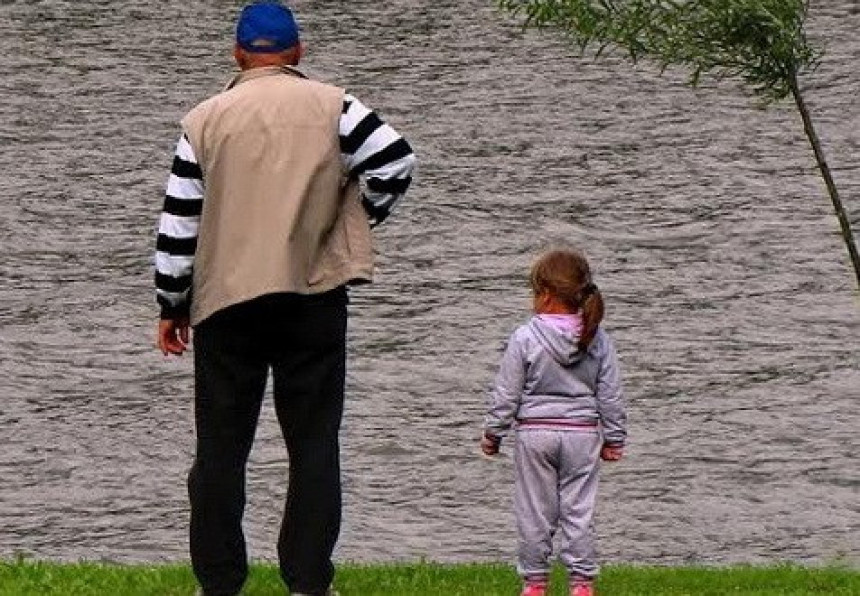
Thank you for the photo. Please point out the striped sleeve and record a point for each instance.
(375, 152)
(177, 233)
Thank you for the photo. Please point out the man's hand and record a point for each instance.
(611, 452)
(173, 336)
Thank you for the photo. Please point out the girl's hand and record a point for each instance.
(611, 453)
(490, 444)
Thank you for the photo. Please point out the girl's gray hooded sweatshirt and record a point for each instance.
(543, 376)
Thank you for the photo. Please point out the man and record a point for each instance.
(263, 228)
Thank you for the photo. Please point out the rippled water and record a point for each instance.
(730, 294)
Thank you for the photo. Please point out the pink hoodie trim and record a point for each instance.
(564, 323)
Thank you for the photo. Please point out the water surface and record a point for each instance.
(729, 291)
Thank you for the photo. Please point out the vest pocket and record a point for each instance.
(346, 253)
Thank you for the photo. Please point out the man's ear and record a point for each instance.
(295, 53)
(239, 57)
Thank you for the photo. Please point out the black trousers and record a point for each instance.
(302, 339)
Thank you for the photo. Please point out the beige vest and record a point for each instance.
(279, 215)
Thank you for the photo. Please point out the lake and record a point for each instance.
(729, 292)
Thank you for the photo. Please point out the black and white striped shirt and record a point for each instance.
(370, 150)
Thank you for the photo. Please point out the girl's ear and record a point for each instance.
(541, 301)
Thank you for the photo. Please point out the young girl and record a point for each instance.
(559, 386)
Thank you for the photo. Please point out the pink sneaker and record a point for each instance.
(534, 589)
(582, 589)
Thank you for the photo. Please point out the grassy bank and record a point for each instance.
(32, 578)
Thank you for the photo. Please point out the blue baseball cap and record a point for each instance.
(266, 28)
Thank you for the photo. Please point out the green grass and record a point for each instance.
(31, 578)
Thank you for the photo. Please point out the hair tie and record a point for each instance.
(589, 289)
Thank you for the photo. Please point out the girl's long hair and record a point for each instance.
(565, 274)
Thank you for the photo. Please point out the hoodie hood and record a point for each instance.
(558, 335)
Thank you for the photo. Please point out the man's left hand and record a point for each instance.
(173, 336)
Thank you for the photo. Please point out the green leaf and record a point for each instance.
(759, 41)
